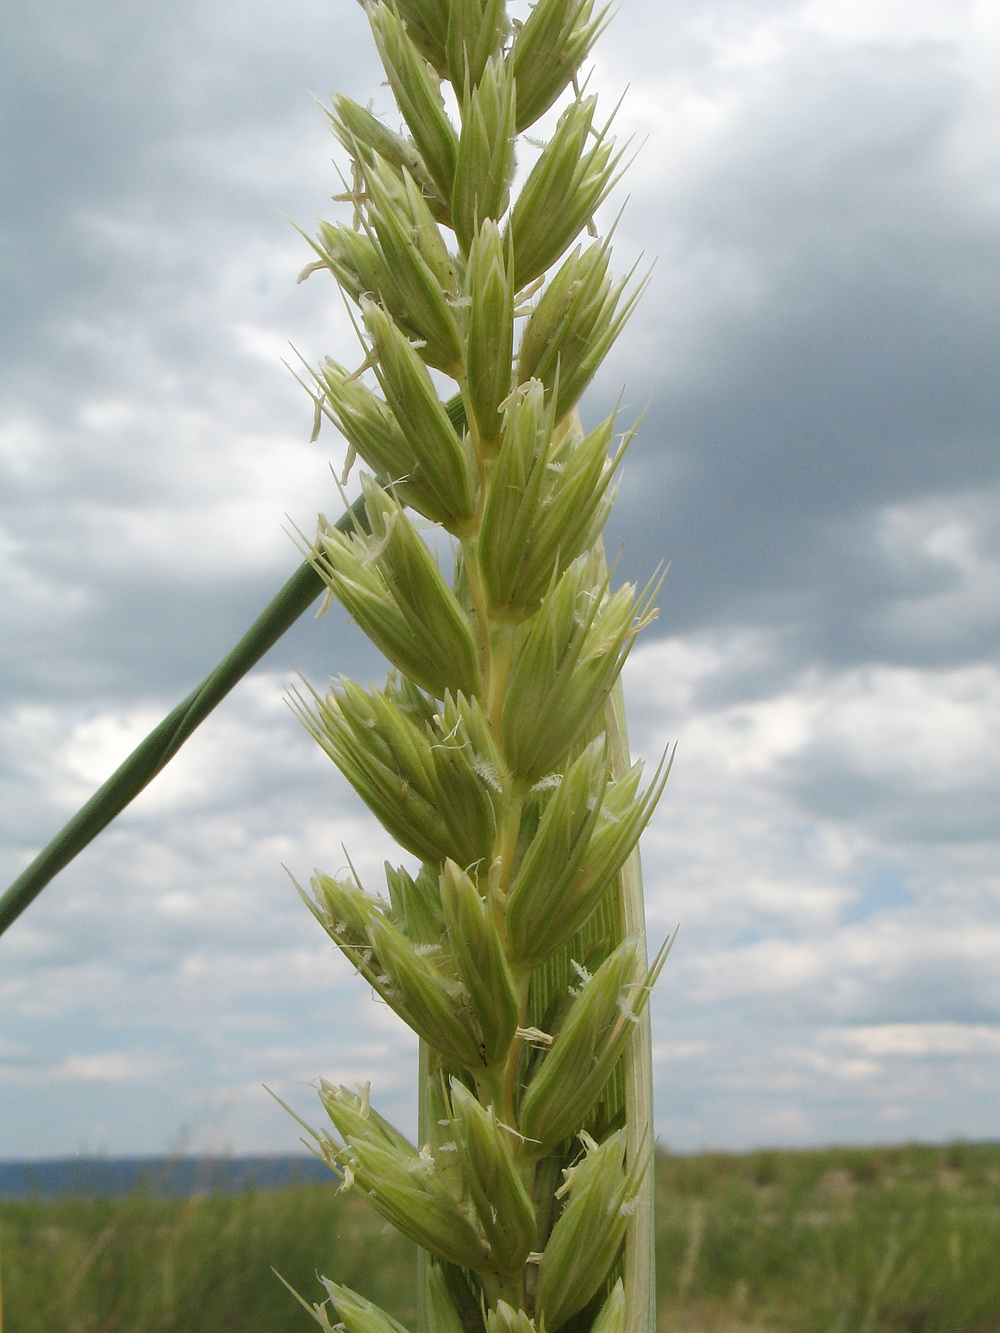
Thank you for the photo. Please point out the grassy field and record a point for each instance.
(894, 1240)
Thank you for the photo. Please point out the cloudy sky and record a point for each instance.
(819, 462)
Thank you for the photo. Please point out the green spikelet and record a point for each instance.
(496, 753)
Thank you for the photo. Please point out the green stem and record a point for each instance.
(480, 605)
(638, 1268)
(163, 742)
(503, 638)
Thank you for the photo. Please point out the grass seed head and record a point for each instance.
(570, 655)
(562, 193)
(482, 962)
(505, 1319)
(548, 50)
(421, 288)
(443, 1316)
(502, 1203)
(427, 24)
(402, 972)
(374, 433)
(355, 261)
(509, 536)
(492, 756)
(489, 330)
(365, 137)
(484, 166)
(423, 783)
(613, 1316)
(401, 1183)
(425, 998)
(392, 587)
(573, 325)
(542, 911)
(417, 94)
(437, 622)
(358, 1315)
(476, 31)
(574, 1073)
(442, 457)
(586, 1239)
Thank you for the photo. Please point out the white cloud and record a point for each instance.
(108, 1067)
(889, 1040)
(943, 552)
(824, 941)
(895, 22)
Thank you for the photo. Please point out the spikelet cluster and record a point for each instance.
(495, 754)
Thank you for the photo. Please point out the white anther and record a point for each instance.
(535, 1036)
(525, 1138)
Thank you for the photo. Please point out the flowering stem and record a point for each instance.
(496, 753)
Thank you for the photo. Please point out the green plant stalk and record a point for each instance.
(152, 755)
(496, 754)
(640, 1259)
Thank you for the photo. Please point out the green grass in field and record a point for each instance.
(201, 1265)
(895, 1240)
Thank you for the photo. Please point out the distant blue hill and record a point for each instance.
(115, 1176)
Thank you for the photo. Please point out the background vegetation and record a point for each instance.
(883, 1240)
